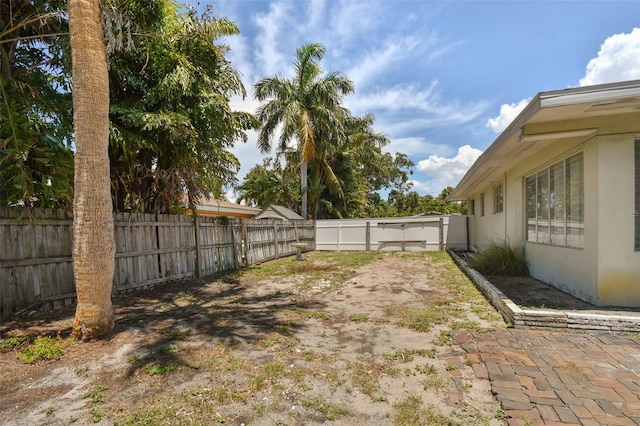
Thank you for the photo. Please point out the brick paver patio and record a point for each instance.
(552, 377)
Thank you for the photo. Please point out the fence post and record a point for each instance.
(368, 237)
(441, 233)
(245, 243)
(196, 237)
(275, 238)
(232, 227)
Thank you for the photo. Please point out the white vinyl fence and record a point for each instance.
(392, 234)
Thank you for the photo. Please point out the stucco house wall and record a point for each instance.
(606, 269)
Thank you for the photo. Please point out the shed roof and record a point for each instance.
(275, 211)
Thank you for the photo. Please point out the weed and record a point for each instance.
(96, 394)
(358, 317)
(49, 411)
(176, 334)
(500, 414)
(404, 356)
(501, 259)
(444, 339)
(96, 413)
(160, 368)
(468, 362)
(135, 360)
(423, 319)
(80, 370)
(451, 367)
(43, 347)
(331, 411)
(13, 342)
(169, 347)
(318, 315)
(411, 411)
(470, 325)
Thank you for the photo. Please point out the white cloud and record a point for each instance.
(442, 171)
(618, 60)
(416, 107)
(272, 30)
(507, 114)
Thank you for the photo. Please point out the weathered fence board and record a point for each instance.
(36, 264)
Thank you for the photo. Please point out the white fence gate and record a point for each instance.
(406, 234)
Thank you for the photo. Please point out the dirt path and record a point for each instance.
(289, 343)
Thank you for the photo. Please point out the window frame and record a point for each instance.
(554, 203)
(498, 198)
(482, 204)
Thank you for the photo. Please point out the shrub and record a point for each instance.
(501, 259)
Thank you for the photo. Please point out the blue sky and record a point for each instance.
(443, 78)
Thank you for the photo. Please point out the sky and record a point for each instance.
(442, 78)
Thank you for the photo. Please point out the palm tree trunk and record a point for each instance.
(303, 188)
(93, 231)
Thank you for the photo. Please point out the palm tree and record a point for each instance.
(303, 105)
(93, 232)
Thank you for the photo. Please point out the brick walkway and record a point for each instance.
(551, 377)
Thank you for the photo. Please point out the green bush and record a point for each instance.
(501, 259)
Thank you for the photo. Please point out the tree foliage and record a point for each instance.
(172, 124)
(36, 165)
(309, 109)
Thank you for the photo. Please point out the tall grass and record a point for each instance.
(501, 259)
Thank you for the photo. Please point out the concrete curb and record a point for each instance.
(544, 319)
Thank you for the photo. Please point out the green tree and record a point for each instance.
(171, 121)
(309, 108)
(270, 183)
(36, 162)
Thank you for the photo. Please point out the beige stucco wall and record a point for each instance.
(618, 268)
(570, 269)
(606, 271)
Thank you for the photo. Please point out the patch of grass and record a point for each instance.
(96, 394)
(501, 258)
(96, 414)
(444, 339)
(467, 325)
(43, 347)
(423, 319)
(13, 342)
(161, 368)
(317, 315)
(80, 370)
(411, 411)
(174, 334)
(406, 355)
(331, 411)
(358, 317)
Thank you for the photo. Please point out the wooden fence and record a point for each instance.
(36, 267)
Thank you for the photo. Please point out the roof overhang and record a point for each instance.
(517, 141)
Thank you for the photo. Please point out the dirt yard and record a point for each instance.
(339, 338)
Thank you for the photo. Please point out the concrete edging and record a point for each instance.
(541, 318)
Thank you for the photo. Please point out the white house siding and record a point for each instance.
(571, 269)
(618, 269)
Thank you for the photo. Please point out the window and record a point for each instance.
(555, 204)
(636, 213)
(472, 207)
(498, 198)
(482, 204)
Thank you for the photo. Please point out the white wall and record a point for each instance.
(618, 262)
(410, 234)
